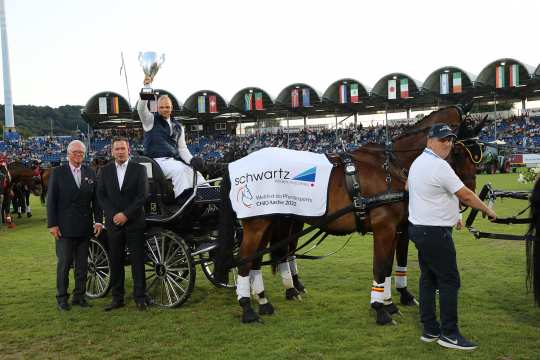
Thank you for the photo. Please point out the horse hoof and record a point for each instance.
(266, 309)
(406, 298)
(392, 309)
(29, 215)
(292, 294)
(298, 284)
(248, 314)
(382, 316)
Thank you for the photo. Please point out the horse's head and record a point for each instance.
(467, 153)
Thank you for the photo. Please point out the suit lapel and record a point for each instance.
(127, 175)
(69, 175)
(114, 178)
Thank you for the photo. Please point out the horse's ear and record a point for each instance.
(465, 107)
(479, 127)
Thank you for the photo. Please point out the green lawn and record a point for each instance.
(332, 322)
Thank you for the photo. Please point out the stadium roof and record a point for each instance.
(505, 79)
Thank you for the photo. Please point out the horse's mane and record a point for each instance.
(419, 126)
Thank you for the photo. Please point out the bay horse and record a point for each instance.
(378, 171)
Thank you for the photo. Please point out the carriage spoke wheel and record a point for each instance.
(98, 280)
(207, 265)
(169, 269)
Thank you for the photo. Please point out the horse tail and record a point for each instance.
(533, 245)
(224, 253)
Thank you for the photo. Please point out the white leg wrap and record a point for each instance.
(292, 265)
(400, 276)
(28, 209)
(388, 290)
(257, 285)
(377, 293)
(242, 287)
(286, 276)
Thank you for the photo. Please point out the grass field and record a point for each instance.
(332, 322)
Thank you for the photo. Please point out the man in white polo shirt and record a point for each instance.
(434, 195)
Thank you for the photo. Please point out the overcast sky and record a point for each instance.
(65, 51)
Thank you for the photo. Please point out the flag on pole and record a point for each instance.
(514, 75)
(305, 97)
(259, 101)
(499, 76)
(456, 82)
(201, 104)
(444, 88)
(213, 104)
(102, 105)
(248, 102)
(354, 93)
(392, 94)
(115, 106)
(123, 66)
(404, 88)
(342, 94)
(295, 100)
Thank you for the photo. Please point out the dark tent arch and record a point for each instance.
(177, 105)
(332, 93)
(107, 109)
(296, 103)
(487, 77)
(381, 87)
(200, 103)
(243, 105)
(432, 84)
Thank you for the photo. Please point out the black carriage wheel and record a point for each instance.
(208, 270)
(98, 279)
(207, 265)
(169, 268)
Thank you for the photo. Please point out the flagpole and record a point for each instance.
(125, 75)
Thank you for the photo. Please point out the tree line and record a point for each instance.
(33, 120)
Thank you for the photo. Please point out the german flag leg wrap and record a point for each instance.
(388, 290)
(401, 277)
(377, 293)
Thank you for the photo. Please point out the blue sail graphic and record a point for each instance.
(308, 175)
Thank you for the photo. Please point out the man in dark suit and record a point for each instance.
(72, 212)
(122, 192)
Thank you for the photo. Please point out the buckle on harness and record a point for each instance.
(359, 203)
(350, 169)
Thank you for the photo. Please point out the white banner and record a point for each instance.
(279, 181)
(392, 92)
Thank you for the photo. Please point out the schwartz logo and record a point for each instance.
(277, 175)
(244, 196)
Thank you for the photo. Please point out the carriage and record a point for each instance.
(178, 237)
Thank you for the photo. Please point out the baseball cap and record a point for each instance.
(440, 131)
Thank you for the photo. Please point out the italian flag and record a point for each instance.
(354, 93)
(514, 75)
(456, 82)
(499, 76)
(404, 88)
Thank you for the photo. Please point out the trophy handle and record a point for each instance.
(162, 60)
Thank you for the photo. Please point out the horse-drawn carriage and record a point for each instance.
(178, 237)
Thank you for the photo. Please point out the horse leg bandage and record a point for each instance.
(242, 287)
(286, 276)
(400, 276)
(387, 290)
(292, 265)
(257, 286)
(377, 292)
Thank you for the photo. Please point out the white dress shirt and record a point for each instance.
(76, 171)
(121, 172)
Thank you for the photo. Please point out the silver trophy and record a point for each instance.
(150, 64)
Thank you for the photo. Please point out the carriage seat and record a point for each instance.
(160, 187)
